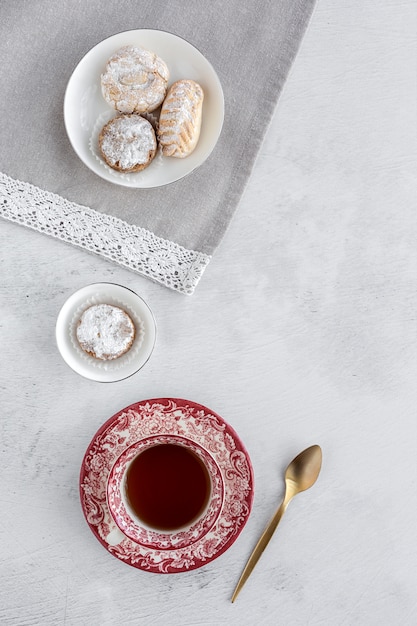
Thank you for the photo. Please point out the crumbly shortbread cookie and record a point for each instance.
(105, 332)
(135, 80)
(180, 119)
(128, 143)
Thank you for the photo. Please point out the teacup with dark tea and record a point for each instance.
(165, 492)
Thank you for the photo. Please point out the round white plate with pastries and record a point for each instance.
(143, 108)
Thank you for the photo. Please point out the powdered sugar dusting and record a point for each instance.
(105, 331)
(135, 80)
(180, 119)
(128, 141)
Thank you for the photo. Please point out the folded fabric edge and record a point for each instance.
(128, 245)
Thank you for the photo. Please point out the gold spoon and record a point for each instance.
(301, 474)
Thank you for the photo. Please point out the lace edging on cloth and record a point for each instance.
(131, 246)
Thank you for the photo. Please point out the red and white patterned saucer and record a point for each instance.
(168, 416)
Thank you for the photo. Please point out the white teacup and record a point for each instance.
(164, 492)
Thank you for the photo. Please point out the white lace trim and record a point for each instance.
(131, 246)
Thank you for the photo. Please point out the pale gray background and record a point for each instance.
(302, 330)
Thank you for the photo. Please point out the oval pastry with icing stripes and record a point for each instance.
(180, 119)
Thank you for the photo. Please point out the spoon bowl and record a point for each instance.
(303, 471)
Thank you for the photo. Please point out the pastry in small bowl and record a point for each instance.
(105, 332)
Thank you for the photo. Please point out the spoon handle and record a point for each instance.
(260, 547)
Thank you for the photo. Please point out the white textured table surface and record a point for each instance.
(302, 331)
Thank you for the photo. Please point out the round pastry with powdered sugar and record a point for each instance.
(105, 332)
(135, 80)
(128, 143)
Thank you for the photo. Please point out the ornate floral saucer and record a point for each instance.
(167, 416)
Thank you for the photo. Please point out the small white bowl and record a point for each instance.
(96, 369)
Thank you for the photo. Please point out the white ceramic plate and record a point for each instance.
(95, 369)
(86, 111)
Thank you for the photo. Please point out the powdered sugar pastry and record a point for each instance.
(135, 80)
(128, 143)
(105, 331)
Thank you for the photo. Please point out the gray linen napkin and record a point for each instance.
(167, 233)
